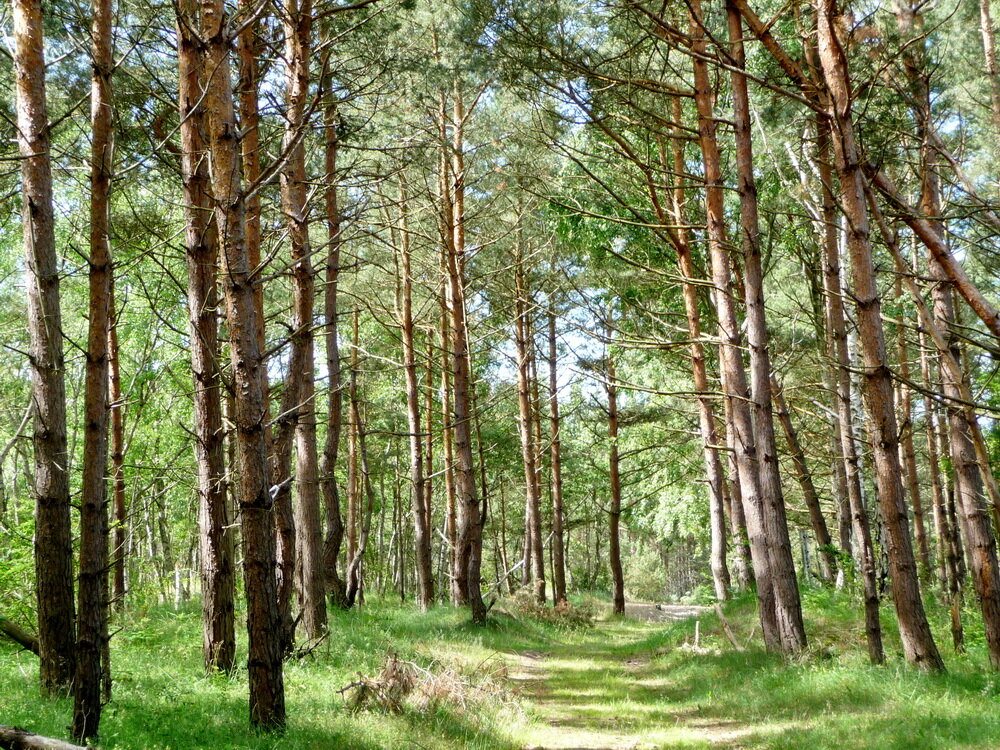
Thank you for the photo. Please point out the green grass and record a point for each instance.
(620, 684)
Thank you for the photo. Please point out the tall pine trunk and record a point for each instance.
(733, 374)
(788, 607)
(714, 472)
(524, 348)
(202, 250)
(421, 530)
(333, 541)
(53, 533)
(310, 579)
(266, 680)
(918, 642)
(470, 518)
(92, 613)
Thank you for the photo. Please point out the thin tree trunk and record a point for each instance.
(429, 443)
(421, 532)
(354, 487)
(524, 352)
(53, 532)
(846, 469)
(742, 559)
(990, 56)
(334, 539)
(909, 458)
(117, 405)
(942, 529)
(311, 584)
(614, 470)
(828, 561)
(706, 416)
(355, 575)
(555, 452)
(266, 682)
(92, 612)
(448, 454)
(470, 529)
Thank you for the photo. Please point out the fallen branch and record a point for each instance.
(19, 635)
(727, 628)
(15, 738)
(309, 646)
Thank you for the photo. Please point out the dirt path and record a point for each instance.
(663, 612)
(607, 694)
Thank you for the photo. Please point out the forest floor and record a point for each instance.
(638, 681)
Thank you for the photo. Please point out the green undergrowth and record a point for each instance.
(162, 700)
(621, 683)
(831, 697)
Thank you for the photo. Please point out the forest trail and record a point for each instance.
(607, 694)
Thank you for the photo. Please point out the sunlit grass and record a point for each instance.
(621, 684)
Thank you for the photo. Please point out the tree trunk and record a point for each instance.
(730, 351)
(266, 682)
(788, 606)
(968, 481)
(990, 56)
(421, 531)
(334, 539)
(828, 561)
(909, 459)
(15, 738)
(942, 530)
(555, 452)
(355, 583)
(524, 348)
(53, 532)
(615, 508)
(311, 584)
(202, 250)
(470, 530)
(92, 612)
(918, 642)
(117, 405)
(19, 635)
(706, 416)
(429, 441)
